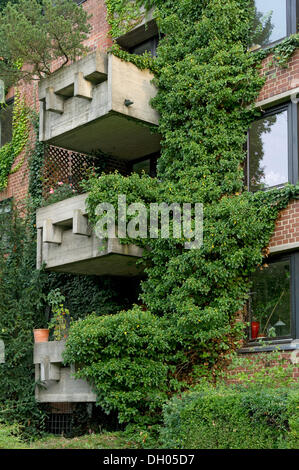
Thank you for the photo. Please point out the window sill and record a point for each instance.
(278, 345)
(257, 47)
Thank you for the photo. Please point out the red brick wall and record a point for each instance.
(287, 226)
(279, 79)
(288, 358)
(98, 38)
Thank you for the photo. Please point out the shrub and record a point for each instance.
(229, 418)
(124, 356)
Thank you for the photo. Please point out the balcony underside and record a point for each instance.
(79, 255)
(114, 134)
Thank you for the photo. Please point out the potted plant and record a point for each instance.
(41, 335)
(60, 320)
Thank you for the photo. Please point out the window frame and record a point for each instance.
(293, 258)
(292, 140)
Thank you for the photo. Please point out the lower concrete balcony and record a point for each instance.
(56, 382)
(100, 103)
(66, 243)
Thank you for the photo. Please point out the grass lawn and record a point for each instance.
(90, 441)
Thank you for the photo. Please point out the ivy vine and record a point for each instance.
(208, 82)
(11, 150)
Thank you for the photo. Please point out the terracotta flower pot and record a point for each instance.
(41, 335)
(255, 326)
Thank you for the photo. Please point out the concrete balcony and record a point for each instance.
(56, 382)
(100, 102)
(65, 243)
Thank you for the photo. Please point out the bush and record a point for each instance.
(124, 357)
(229, 418)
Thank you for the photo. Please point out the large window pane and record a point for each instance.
(270, 304)
(268, 151)
(270, 21)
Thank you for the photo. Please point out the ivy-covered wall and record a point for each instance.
(207, 82)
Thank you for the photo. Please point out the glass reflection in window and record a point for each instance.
(270, 22)
(270, 301)
(268, 151)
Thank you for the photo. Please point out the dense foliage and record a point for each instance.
(21, 310)
(37, 33)
(228, 418)
(207, 83)
(11, 150)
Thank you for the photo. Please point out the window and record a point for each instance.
(146, 164)
(150, 45)
(6, 123)
(274, 20)
(272, 153)
(270, 300)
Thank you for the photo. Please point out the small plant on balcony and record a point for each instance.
(59, 193)
(60, 320)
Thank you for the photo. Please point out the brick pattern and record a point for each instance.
(279, 80)
(288, 357)
(287, 226)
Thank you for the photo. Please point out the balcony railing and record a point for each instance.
(66, 243)
(55, 383)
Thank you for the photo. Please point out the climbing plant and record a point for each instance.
(11, 150)
(207, 81)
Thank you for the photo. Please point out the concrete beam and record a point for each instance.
(82, 87)
(51, 234)
(80, 224)
(54, 103)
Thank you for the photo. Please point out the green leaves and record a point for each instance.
(207, 82)
(124, 357)
(11, 150)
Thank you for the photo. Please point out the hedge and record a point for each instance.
(230, 418)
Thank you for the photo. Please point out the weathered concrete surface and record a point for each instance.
(57, 383)
(83, 108)
(65, 243)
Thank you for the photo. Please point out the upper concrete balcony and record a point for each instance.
(65, 243)
(100, 102)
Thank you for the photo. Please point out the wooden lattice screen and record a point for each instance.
(61, 165)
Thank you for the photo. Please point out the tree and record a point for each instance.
(36, 33)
